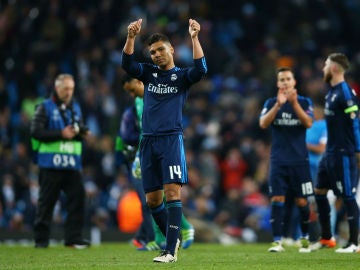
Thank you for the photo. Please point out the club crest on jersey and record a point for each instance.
(154, 75)
(173, 77)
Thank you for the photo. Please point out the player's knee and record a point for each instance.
(318, 191)
(301, 202)
(172, 195)
(153, 201)
(278, 199)
(172, 192)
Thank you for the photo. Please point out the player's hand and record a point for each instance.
(281, 97)
(291, 95)
(134, 28)
(194, 28)
(129, 153)
(68, 132)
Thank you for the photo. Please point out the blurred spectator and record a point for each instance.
(5, 129)
(233, 169)
(13, 217)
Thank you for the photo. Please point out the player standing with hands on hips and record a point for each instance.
(289, 115)
(162, 153)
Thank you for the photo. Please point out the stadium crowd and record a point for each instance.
(227, 152)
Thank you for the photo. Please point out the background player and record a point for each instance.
(288, 115)
(338, 169)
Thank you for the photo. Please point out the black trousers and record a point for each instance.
(52, 182)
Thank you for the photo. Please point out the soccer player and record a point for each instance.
(127, 141)
(162, 156)
(145, 239)
(338, 168)
(288, 115)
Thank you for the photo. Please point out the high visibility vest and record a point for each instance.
(62, 154)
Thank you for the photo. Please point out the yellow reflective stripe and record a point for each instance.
(351, 109)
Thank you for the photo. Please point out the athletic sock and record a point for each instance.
(352, 212)
(324, 215)
(277, 219)
(289, 211)
(159, 237)
(174, 222)
(304, 220)
(160, 216)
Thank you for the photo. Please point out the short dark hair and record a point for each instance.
(340, 59)
(157, 37)
(281, 69)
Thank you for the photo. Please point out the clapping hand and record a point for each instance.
(281, 97)
(291, 95)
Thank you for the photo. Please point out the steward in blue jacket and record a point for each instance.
(57, 131)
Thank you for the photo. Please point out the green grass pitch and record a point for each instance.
(199, 256)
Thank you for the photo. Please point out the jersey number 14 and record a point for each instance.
(175, 169)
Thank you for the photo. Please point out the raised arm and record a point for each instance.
(127, 62)
(194, 29)
(133, 29)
